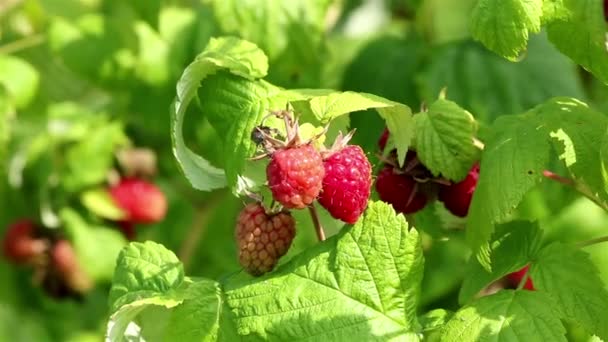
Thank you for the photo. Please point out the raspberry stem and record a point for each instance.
(592, 242)
(315, 220)
(581, 188)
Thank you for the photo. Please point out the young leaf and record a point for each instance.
(504, 25)
(362, 284)
(89, 161)
(99, 202)
(19, 78)
(328, 107)
(571, 280)
(234, 55)
(581, 35)
(444, 139)
(144, 270)
(511, 164)
(522, 316)
(96, 246)
(515, 244)
(123, 319)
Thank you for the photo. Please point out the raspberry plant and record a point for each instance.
(304, 170)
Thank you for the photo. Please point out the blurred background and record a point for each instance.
(85, 90)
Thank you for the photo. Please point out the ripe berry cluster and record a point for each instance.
(411, 187)
(298, 174)
(56, 268)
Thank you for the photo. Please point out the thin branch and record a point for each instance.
(581, 188)
(198, 229)
(591, 242)
(22, 44)
(315, 220)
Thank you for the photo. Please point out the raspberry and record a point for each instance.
(142, 201)
(262, 238)
(63, 257)
(516, 277)
(346, 185)
(20, 244)
(295, 176)
(400, 190)
(65, 264)
(457, 197)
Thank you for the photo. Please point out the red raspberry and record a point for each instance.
(516, 277)
(262, 238)
(457, 197)
(295, 176)
(20, 244)
(400, 190)
(346, 185)
(606, 9)
(142, 201)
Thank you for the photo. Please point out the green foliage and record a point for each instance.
(514, 245)
(507, 315)
(512, 163)
(449, 154)
(337, 274)
(571, 280)
(81, 81)
(504, 26)
(19, 78)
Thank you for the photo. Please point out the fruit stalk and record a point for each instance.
(315, 220)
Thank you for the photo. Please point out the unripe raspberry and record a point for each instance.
(400, 190)
(262, 238)
(516, 277)
(295, 176)
(346, 185)
(65, 263)
(142, 201)
(20, 244)
(457, 197)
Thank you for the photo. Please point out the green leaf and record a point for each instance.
(7, 112)
(152, 63)
(19, 78)
(238, 57)
(121, 325)
(89, 161)
(269, 23)
(96, 246)
(202, 316)
(444, 139)
(144, 270)
(234, 106)
(571, 280)
(488, 85)
(514, 245)
(524, 316)
(503, 26)
(577, 133)
(99, 202)
(435, 319)
(363, 284)
(581, 34)
(604, 160)
(512, 163)
(328, 107)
